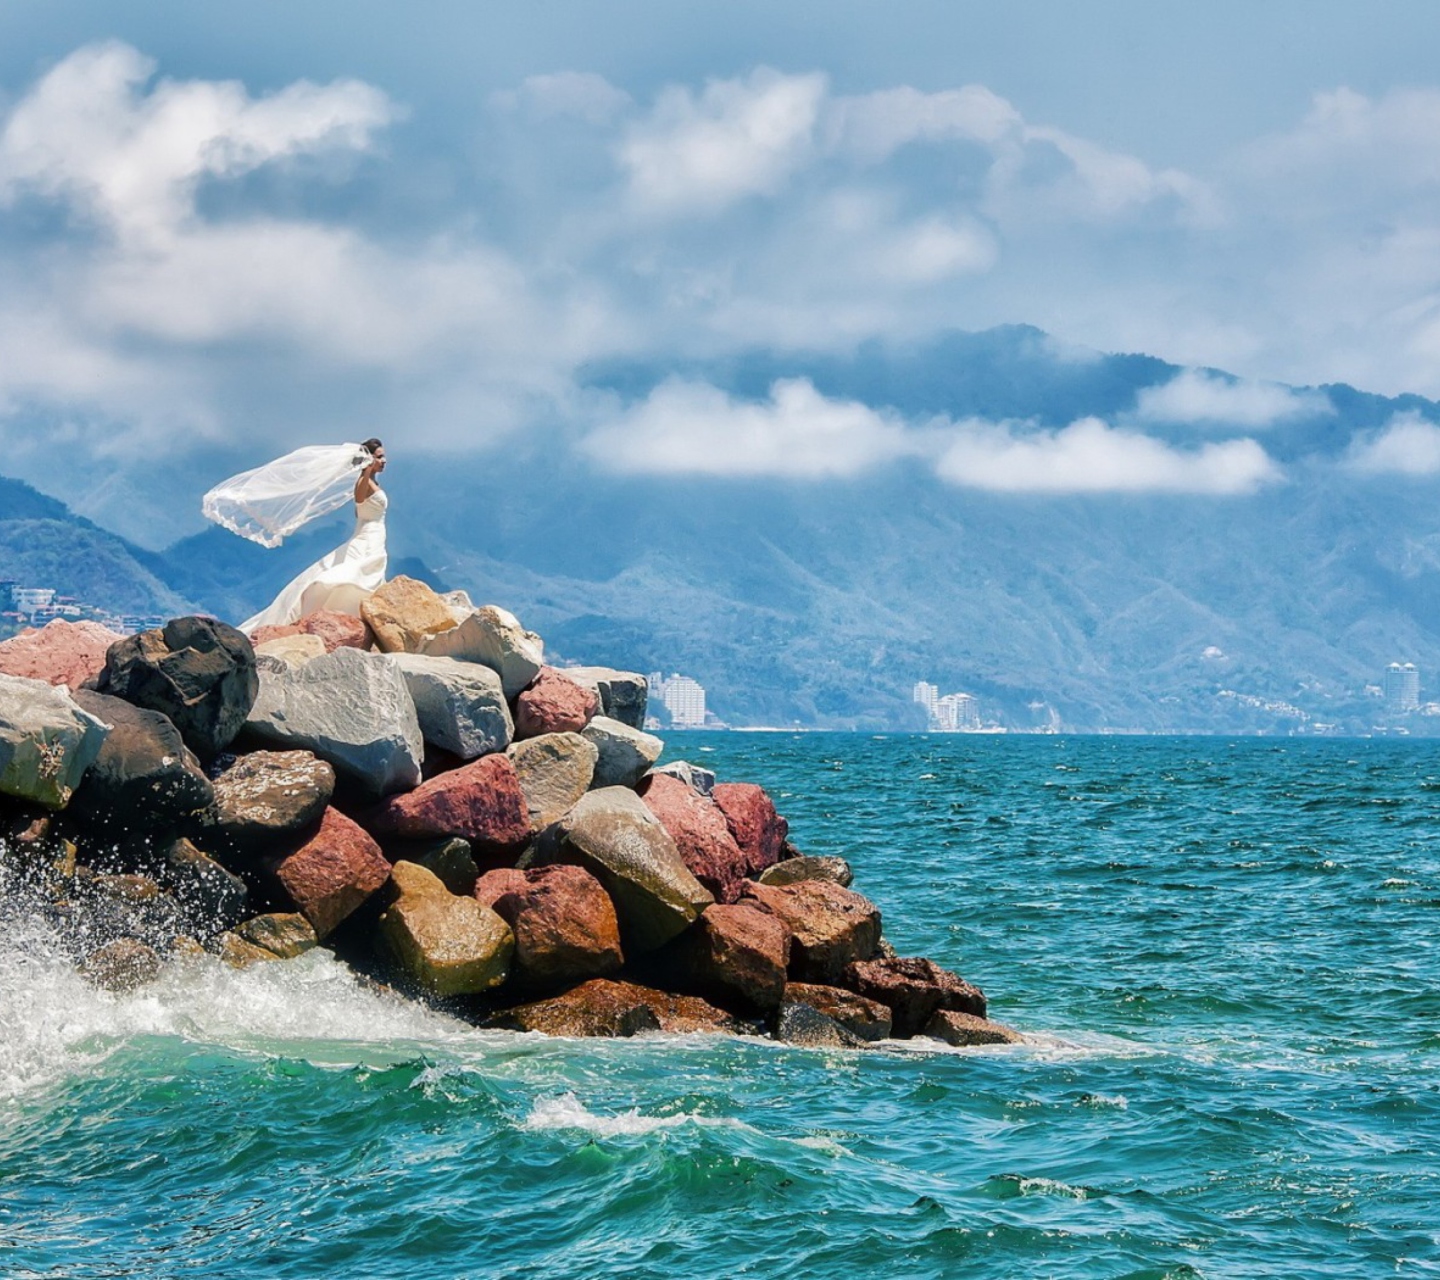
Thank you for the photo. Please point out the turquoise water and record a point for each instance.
(1226, 951)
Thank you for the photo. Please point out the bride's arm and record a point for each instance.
(366, 485)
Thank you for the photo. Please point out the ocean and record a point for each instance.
(1224, 952)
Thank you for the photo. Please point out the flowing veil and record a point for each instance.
(270, 502)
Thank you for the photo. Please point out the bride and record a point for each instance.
(267, 504)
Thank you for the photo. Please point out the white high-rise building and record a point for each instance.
(1402, 687)
(956, 712)
(28, 599)
(684, 699)
(927, 695)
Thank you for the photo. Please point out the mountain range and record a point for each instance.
(821, 601)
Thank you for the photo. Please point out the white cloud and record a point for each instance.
(737, 138)
(580, 94)
(874, 125)
(1197, 396)
(1091, 457)
(1407, 446)
(693, 428)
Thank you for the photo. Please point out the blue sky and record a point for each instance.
(237, 228)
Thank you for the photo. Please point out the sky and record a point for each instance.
(241, 228)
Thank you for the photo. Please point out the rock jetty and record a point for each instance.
(418, 791)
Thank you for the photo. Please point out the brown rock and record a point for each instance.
(737, 956)
(404, 613)
(966, 1029)
(451, 860)
(338, 630)
(868, 1019)
(121, 965)
(333, 872)
(268, 797)
(293, 651)
(700, 832)
(831, 927)
(564, 923)
(555, 770)
(60, 652)
(758, 829)
(602, 1007)
(284, 934)
(553, 703)
(481, 802)
(444, 944)
(914, 988)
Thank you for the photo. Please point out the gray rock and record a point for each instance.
(144, 777)
(625, 753)
(612, 835)
(802, 1024)
(198, 672)
(461, 705)
(623, 694)
(494, 638)
(698, 779)
(266, 797)
(352, 709)
(805, 867)
(555, 770)
(46, 742)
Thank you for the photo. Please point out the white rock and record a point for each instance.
(293, 651)
(351, 709)
(494, 638)
(461, 705)
(625, 753)
(46, 741)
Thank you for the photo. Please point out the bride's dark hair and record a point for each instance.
(372, 444)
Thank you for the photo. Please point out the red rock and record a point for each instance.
(868, 1019)
(602, 1007)
(333, 872)
(758, 829)
(737, 955)
(553, 703)
(700, 833)
(831, 927)
(338, 630)
(481, 802)
(914, 989)
(60, 652)
(967, 1029)
(263, 634)
(565, 925)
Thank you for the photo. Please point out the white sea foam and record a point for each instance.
(54, 1024)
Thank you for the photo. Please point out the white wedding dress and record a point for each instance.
(341, 580)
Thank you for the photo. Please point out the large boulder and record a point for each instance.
(554, 770)
(564, 923)
(622, 694)
(461, 705)
(868, 1019)
(700, 833)
(805, 867)
(736, 956)
(625, 754)
(46, 742)
(144, 777)
(480, 802)
(267, 797)
(966, 1029)
(495, 639)
(831, 927)
(758, 829)
(604, 1007)
(403, 613)
(351, 709)
(914, 989)
(443, 944)
(337, 630)
(332, 872)
(553, 703)
(60, 652)
(612, 835)
(197, 671)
